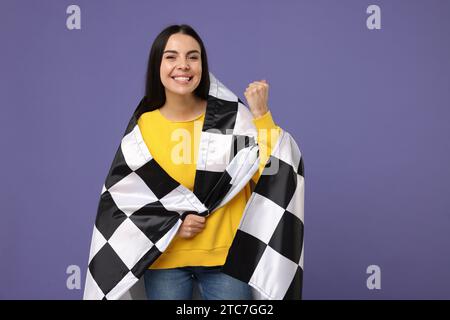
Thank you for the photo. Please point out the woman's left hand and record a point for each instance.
(257, 95)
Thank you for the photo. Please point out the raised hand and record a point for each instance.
(257, 95)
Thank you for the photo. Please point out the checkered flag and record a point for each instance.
(267, 251)
(141, 207)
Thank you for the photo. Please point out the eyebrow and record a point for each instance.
(174, 51)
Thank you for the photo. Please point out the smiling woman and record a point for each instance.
(183, 72)
(175, 222)
(178, 74)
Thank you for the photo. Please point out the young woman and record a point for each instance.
(177, 90)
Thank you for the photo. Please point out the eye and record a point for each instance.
(195, 58)
(170, 57)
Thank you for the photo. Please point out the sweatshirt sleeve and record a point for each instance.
(268, 134)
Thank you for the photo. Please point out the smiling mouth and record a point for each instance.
(182, 80)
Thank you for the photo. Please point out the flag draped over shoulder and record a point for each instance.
(141, 207)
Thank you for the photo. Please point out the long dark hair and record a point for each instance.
(155, 95)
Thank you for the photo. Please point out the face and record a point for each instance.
(181, 65)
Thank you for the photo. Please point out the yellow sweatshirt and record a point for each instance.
(210, 246)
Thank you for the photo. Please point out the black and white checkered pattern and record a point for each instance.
(141, 207)
(267, 251)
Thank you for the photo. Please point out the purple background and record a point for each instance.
(368, 108)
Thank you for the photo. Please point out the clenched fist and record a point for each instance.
(191, 226)
(257, 95)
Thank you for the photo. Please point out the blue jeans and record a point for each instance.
(178, 284)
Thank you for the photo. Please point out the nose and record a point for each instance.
(184, 64)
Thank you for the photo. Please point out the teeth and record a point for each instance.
(181, 78)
